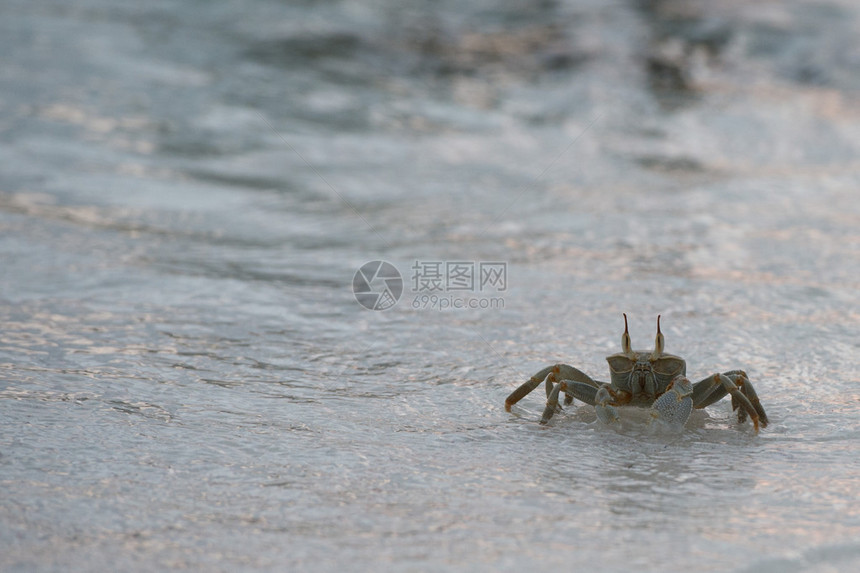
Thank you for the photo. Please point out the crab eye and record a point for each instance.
(658, 341)
(619, 363)
(669, 366)
(626, 346)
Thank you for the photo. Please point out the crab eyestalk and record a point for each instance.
(626, 345)
(658, 341)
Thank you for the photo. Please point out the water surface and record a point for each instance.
(187, 381)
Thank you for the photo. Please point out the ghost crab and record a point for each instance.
(645, 378)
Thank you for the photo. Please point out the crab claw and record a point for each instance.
(606, 413)
(673, 407)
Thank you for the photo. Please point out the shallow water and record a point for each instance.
(187, 380)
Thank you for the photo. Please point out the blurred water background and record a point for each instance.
(187, 189)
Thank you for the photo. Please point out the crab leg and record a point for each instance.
(736, 383)
(574, 383)
(590, 393)
(550, 374)
(740, 378)
(583, 391)
(579, 384)
(526, 387)
(552, 402)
